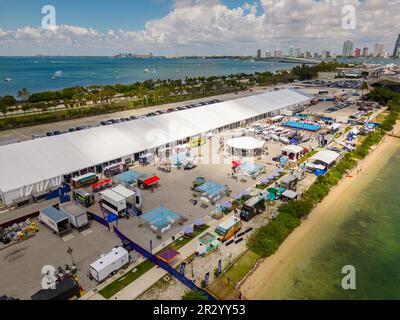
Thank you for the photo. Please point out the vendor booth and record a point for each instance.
(292, 152)
(325, 158)
(207, 244)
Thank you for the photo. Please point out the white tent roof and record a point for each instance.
(245, 143)
(30, 162)
(325, 156)
(292, 149)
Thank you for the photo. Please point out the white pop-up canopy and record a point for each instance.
(245, 143)
(327, 157)
(38, 165)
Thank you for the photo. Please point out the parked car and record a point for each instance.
(189, 166)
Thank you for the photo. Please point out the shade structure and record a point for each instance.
(226, 205)
(101, 183)
(51, 158)
(152, 180)
(112, 217)
(245, 143)
(160, 217)
(236, 163)
(188, 230)
(168, 255)
(265, 180)
(199, 223)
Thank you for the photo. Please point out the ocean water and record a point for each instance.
(50, 73)
(368, 239)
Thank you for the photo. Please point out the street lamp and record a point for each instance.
(69, 251)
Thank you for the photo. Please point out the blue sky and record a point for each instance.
(89, 27)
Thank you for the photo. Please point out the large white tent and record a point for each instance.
(35, 166)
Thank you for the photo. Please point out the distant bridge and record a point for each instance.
(290, 60)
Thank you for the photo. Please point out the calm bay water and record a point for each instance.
(368, 239)
(37, 73)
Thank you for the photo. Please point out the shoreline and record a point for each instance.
(267, 280)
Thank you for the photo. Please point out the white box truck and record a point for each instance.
(112, 201)
(55, 220)
(109, 264)
(77, 215)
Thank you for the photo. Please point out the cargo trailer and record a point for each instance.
(109, 264)
(56, 220)
(77, 215)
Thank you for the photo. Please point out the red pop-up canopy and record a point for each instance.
(236, 163)
(151, 181)
(98, 184)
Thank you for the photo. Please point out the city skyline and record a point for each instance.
(191, 27)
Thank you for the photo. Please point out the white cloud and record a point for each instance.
(208, 26)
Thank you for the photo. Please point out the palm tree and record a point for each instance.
(3, 109)
(364, 86)
(23, 93)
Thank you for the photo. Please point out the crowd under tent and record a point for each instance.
(292, 152)
(35, 166)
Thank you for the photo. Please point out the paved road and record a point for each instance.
(26, 133)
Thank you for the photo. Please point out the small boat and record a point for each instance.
(7, 79)
(146, 70)
(53, 77)
(58, 74)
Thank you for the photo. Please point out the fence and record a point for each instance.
(162, 264)
(99, 219)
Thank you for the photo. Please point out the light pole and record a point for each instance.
(69, 251)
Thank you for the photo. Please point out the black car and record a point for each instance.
(133, 117)
(189, 166)
(277, 158)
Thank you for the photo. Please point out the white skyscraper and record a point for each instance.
(379, 50)
(348, 46)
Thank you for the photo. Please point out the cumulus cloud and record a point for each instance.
(208, 26)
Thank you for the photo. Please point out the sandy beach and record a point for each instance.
(269, 280)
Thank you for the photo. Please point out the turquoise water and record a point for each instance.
(36, 73)
(368, 239)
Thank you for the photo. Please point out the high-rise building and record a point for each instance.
(357, 52)
(396, 51)
(297, 52)
(278, 53)
(259, 54)
(348, 46)
(308, 55)
(365, 52)
(268, 54)
(379, 50)
(291, 51)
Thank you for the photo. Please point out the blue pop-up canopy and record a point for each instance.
(112, 217)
